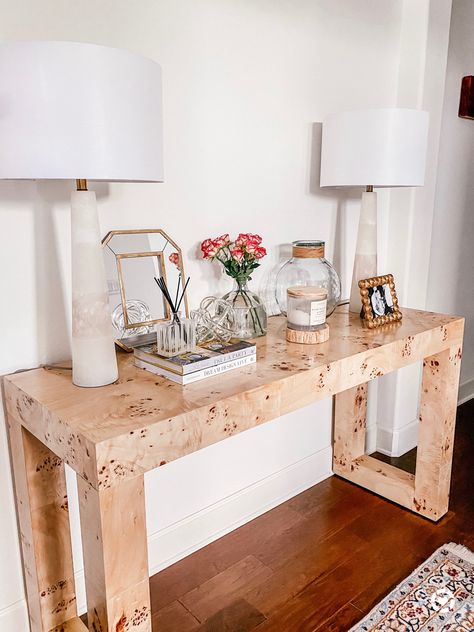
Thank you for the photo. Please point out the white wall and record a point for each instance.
(420, 84)
(452, 255)
(243, 84)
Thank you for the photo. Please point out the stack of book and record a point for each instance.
(207, 360)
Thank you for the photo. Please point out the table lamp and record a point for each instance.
(372, 148)
(74, 111)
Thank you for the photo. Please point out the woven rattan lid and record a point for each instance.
(308, 249)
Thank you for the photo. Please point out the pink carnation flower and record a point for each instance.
(210, 248)
(223, 240)
(174, 259)
(237, 254)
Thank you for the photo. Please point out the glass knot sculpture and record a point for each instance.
(215, 320)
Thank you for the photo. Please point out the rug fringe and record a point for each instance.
(460, 551)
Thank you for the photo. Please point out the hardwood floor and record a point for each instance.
(316, 563)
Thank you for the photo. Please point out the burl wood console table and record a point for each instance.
(112, 435)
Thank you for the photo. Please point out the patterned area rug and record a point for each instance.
(437, 597)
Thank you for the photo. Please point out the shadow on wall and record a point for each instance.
(49, 202)
(52, 331)
(463, 253)
(336, 248)
(341, 197)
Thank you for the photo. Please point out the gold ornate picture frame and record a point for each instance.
(379, 301)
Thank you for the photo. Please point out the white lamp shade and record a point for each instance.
(70, 110)
(380, 147)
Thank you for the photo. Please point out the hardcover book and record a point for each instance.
(203, 357)
(195, 376)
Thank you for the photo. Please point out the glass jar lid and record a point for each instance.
(308, 249)
(308, 292)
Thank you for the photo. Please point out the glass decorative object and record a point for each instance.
(249, 311)
(306, 319)
(240, 258)
(215, 320)
(308, 267)
(138, 312)
(175, 336)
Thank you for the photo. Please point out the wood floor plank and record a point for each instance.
(327, 493)
(180, 578)
(342, 620)
(320, 600)
(406, 462)
(174, 618)
(306, 566)
(220, 591)
(318, 562)
(239, 616)
(388, 544)
(320, 525)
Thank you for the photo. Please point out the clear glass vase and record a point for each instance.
(308, 267)
(249, 310)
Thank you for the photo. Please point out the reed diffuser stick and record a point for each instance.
(183, 293)
(174, 306)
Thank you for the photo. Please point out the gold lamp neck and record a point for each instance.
(81, 185)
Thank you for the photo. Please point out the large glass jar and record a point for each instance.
(308, 267)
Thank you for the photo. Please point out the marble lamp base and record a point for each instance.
(365, 261)
(93, 350)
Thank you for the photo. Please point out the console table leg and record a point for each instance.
(439, 392)
(44, 530)
(115, 556)
(350, 411)
(426, 492)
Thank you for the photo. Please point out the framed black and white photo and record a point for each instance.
(379, 301)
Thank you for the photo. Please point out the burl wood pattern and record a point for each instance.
(308, 337)
(436, 435)
(115, 556)
(43, 513)
(73, 625)
(350, 412)
(427, 493)
(112, 435)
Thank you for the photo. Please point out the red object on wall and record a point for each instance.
(466, 102)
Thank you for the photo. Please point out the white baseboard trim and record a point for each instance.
(371, 439)
(14, 617)
(173, 543)
(466, 392)
(178, 540)
(399, 441)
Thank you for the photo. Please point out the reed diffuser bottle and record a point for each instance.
(178, 335)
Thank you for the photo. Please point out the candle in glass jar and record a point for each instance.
(306, 308)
